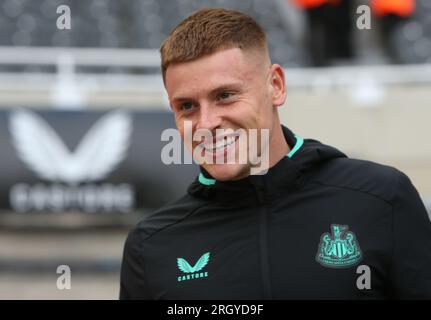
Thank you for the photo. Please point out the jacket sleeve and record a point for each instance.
(132, 283)
(411, 255)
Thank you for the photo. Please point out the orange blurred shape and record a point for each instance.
(309, 4)
(402, 8)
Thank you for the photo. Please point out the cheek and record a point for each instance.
(180, 127)
(186, 133)
(264, 116)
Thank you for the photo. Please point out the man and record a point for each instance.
(316, 225)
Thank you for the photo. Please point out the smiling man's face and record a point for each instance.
(230, 89)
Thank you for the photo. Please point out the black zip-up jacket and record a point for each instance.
(317, 225)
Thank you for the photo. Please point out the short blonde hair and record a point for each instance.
(209, 30)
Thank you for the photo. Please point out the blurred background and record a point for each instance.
(82, 110)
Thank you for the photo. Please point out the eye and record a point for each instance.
(225, 95)
(186, 106)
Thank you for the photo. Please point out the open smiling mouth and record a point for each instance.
(221, 147)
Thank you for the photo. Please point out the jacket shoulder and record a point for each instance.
(364, 176)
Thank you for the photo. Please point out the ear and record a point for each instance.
(278, 84)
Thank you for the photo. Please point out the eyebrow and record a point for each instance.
(224, 87)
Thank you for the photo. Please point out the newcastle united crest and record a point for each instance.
(339, 249)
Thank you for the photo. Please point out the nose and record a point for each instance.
(209, 118)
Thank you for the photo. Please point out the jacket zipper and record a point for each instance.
(263, 242)
(266, 279)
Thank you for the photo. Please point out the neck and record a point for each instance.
(276, 150)
(278, 147)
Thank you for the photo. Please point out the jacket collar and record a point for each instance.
(285, 173)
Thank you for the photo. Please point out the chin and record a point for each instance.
(226, 172)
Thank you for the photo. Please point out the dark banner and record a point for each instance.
(87, 161)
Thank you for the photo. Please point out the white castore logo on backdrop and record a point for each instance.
(98, 153)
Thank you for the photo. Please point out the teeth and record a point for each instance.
(220, 144)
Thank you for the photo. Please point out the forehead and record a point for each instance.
(223, 68)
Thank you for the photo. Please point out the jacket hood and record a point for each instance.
(305, 154)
